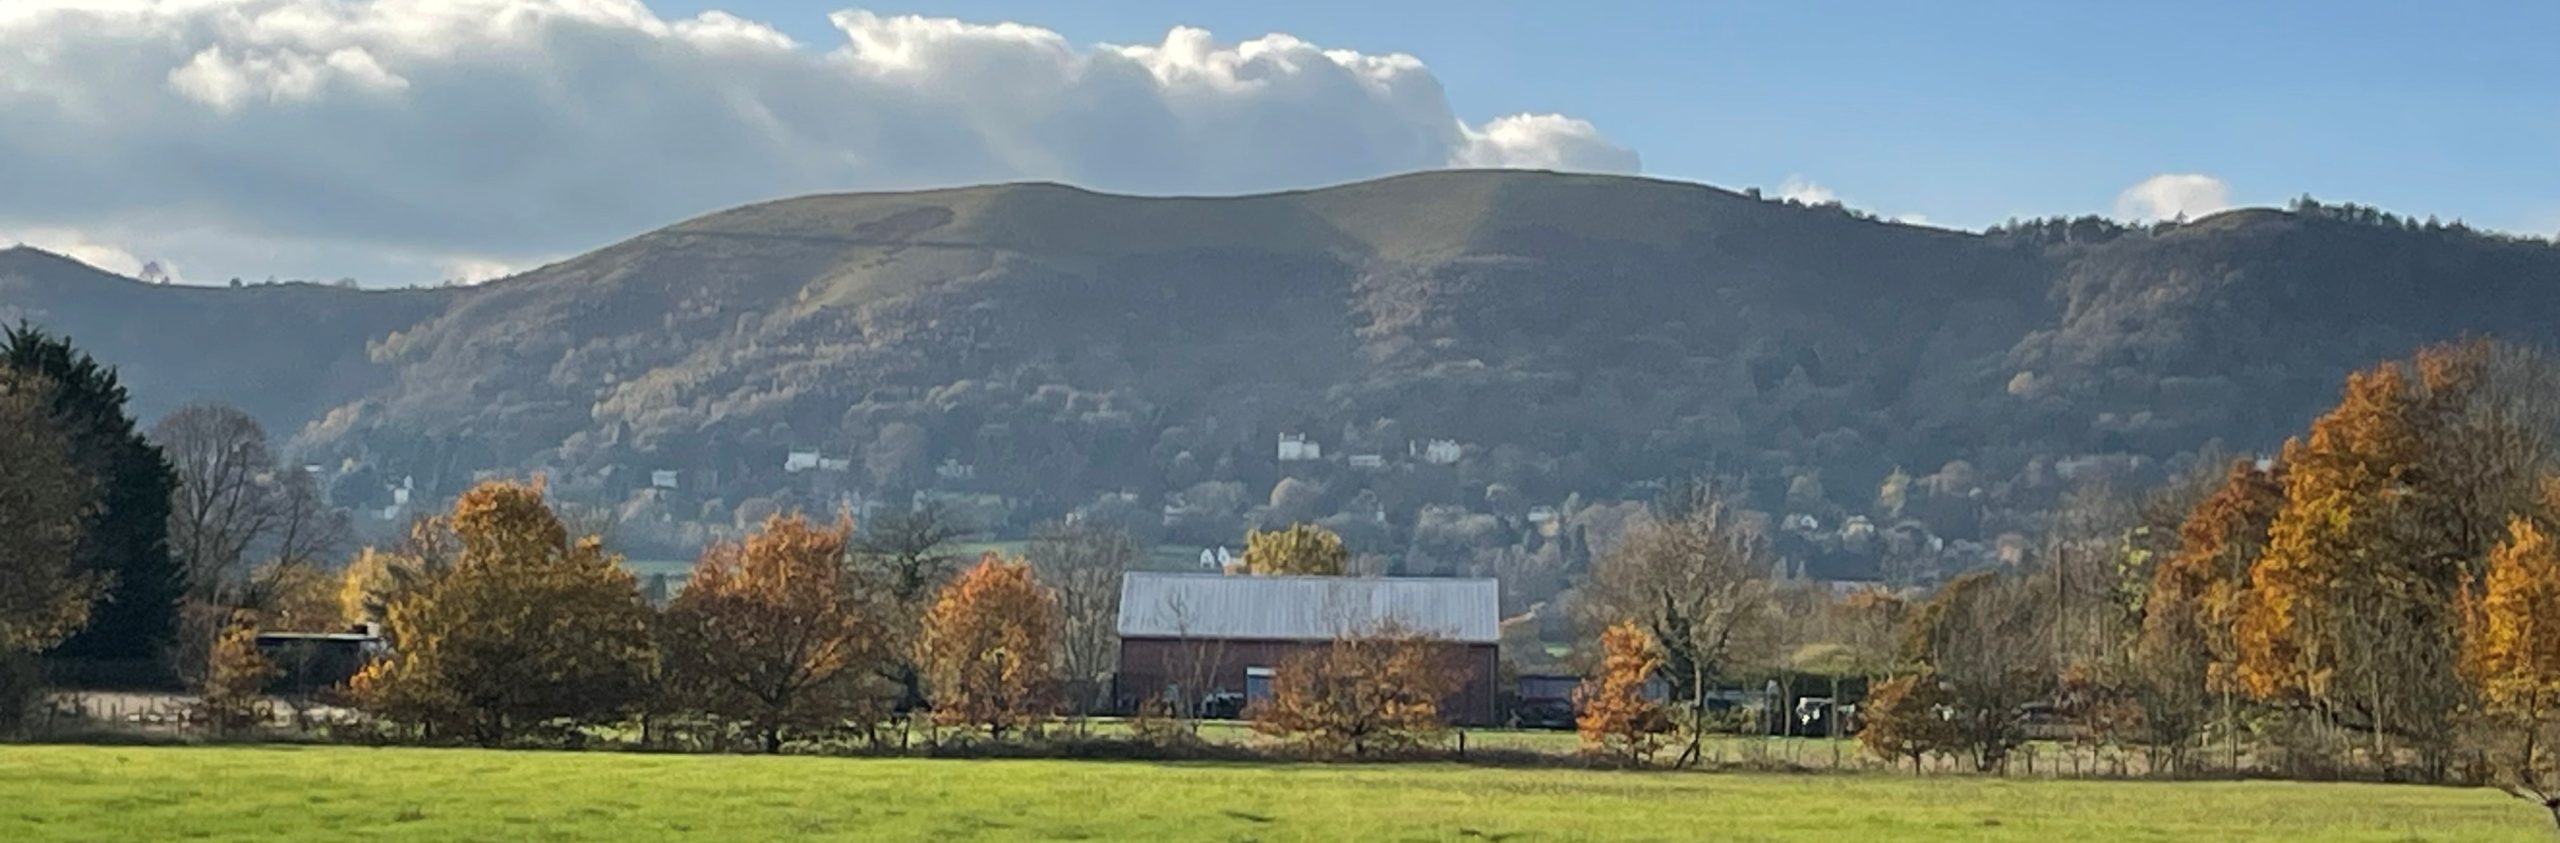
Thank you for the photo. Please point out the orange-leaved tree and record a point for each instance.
(1910, 716)
(772, 632)
(528, 630)
(1617, 718)
(2339, 545)
(989, 648)
(1378, 691)
(2186, 652)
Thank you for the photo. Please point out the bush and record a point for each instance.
(1365, 694)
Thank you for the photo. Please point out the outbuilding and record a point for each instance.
(1213, 641)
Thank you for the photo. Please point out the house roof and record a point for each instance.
(1169, 605)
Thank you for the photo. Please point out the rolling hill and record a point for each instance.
(1575, 334)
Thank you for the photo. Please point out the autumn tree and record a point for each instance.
(2511, 651)
(45, 592)
(381, 576)
(1693, 574)
(232, 697)
(1084, 563)
(123, 541)
(528, 629)
(773, 632)
(2187, 654)
(1616, 717)
(297, 598)
(1300, 550)
(1910, 716)
(989, 648)
(2350, 607)
(1377, 691)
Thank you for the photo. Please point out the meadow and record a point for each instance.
(335, 793)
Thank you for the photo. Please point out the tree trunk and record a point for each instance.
(773, 740)
(1697, 716)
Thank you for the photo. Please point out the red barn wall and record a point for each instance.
(1149, 665)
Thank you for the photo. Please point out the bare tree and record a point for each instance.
(241, 523)
(305, 533)
(904, 557)
(1190, 665)
(1083, 563)
(225, 501)
(1694, 574)
(909, 554)
(1983, 639)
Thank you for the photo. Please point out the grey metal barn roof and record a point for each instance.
(1161, 605)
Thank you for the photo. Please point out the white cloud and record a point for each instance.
(470, 270)
(76, 245)
(2173, 195)
(274, 132)
(1801, 189)
(1545, 142)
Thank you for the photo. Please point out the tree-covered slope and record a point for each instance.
(1577, 334)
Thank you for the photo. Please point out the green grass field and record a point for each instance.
(292, 794)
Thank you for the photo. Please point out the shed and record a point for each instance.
(1199, 638)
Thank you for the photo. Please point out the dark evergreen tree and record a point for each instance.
(127, 537)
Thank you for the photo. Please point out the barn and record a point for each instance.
(1214, 640)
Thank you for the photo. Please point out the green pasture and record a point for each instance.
(334, 794)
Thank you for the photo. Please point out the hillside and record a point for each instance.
(285, 352)
(1576, 335)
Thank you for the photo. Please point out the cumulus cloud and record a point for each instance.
(1801, 189)
(1542, 142)
(2173, 196)
(432, 132)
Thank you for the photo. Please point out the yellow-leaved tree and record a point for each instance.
(2335, 609)
(2511, 651)
(989, 648)
(1302, 549)
(1617, 719)
(233, 696)
(528, 631)
(773, 633)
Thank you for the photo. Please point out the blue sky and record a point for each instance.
(408, 142)
(1966, 112)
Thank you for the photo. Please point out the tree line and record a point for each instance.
(2380, 598)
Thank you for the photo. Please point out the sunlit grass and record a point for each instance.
(66, 793)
